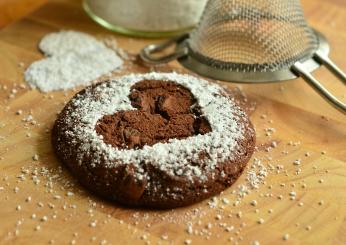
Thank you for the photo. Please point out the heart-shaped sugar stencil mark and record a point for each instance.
(72, 59)
(165, 110)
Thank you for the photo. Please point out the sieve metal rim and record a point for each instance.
(192, 62)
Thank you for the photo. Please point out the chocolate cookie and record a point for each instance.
(159, 140)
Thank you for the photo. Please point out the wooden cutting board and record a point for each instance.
(41, 203)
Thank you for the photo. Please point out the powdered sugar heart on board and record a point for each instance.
(174, 157)
(59, 43)
(73, 59)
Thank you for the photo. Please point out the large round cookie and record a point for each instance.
(159, 140)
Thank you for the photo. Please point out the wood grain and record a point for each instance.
(12, 10)
(304, 125)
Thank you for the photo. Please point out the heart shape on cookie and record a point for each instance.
(166, 111)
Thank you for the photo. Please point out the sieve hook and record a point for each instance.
(300, 69)
(147, 52)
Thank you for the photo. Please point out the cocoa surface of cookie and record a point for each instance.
(158, 140)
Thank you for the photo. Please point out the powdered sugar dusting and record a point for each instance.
(74, 59)
(175, 156)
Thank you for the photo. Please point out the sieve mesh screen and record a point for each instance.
(252, 35)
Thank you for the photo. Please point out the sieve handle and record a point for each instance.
(301, 70)
(147, 53)
(324, 59)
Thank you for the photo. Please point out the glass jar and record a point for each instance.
(146, 18)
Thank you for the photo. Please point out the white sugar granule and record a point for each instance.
(73, 59)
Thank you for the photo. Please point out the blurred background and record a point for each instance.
(11, 10)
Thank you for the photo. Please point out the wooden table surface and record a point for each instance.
(12, 10)
(41, 202)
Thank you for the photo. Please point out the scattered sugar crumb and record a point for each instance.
(253, 203)
(35, 157)
(260, 221)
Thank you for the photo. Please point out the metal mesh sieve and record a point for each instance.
(252, 35)
(252, 41)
